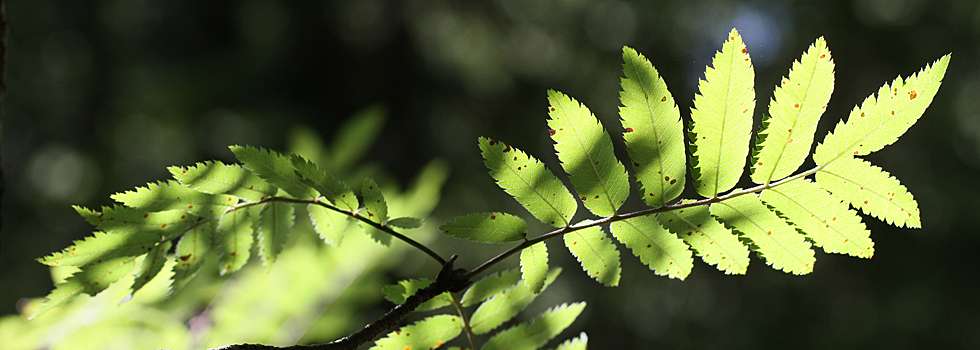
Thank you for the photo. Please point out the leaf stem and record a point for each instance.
(466, 321)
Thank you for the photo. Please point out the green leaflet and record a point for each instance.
(529, 182)
(581, 342)
(151, 265)
(375, 206)
(234, 240)
(535, 333)
(653, 132)
(90, 280)
(330, 187)
(657, 248)
(126, 232)
(193, 249)
(490, 285)
(215, 177)
(405, 222)
(883, 117)
(596, 253)
(586, 154)
(273, 228)
(430, 333)
(870, 189)
(711, 240)
(399, 292)
(354, 138)
(534, 266)
(328, 224)
(722, 118)
(170, 195)
(505, 305)
(829, 223)
(775, 240)
(490, 227)
(798, 102)
(273, 167)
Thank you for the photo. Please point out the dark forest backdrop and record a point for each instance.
(104, 94)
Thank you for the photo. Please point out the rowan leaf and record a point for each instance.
(407, 223)
(534, 266)
(400, 292)
(656, 247)
(429, 333)
(171, 195)
(722, 118)
(490, 285)
(597, 254)
(273, 167)
(215, 177)
(535, 333)
(328, 224)
(490, 227)
(334, 190)
(797, 104)
(709, 239)
(90, 280)
(870, 189)
(653, 133)
(505, 305)
(825, 220)
(776, 241)
(193, 249)
(580, 342)
(273, 227)
(586, 154)
(151, 265)
(234, 240)
(375, 206)
(529, 182)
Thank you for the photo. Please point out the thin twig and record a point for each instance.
(466, 321)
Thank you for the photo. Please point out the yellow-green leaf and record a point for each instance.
(711, 240)
(529, 182)
(776, 241)
(597, 254)
(657, 248)
(870, 189)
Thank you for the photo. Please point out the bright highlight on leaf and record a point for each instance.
(799, 101)
(580, 342)
(597, 254)
(657, 248)
(722, 118)
(882, 118)
(535, 333)
(429, 333)
(534, 266)
(490, 285)
(505, 305)
(529, 182)
(491, 227)
(775, 240)
(273, 167)
(709, 239)
(274, 225)
(870, 189)
(171, 195)
(653, 132)
(219, 178)
(586, 154)
(826, 221)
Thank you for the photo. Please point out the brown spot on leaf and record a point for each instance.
(745, 50)
(663, 99)
(628, 130)
(551, 132)
(185, 257)
(823, 55)
(913, 95)
(797, 106)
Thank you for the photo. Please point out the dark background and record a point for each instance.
(104, 94)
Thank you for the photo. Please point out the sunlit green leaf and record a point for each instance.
(597, 254)
(527, 180)
(534, 266)
(776, 241)
(215, 177)
(429, 333)
(489, 285)
(538, 331)
(491, 227)
(505, 305)
(711, 240)
(657, 248)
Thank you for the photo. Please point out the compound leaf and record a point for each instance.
(870, 189)
(491, 227)
(657, 248)
(654, 134)
(171, 195)
(597, 254)
(797, 104)
(722, 118)
(529, 182)
(538, 331)
(775, 240)
(828, 222)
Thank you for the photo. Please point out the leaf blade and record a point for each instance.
(586, 154)
(596, 253)
(657, 248)
(871, 190)
(535, 333)
(488, 227)
(776, 241)
(534, 266)
(429, 333)
(654, 134)
(529, 182)
(709, 239)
